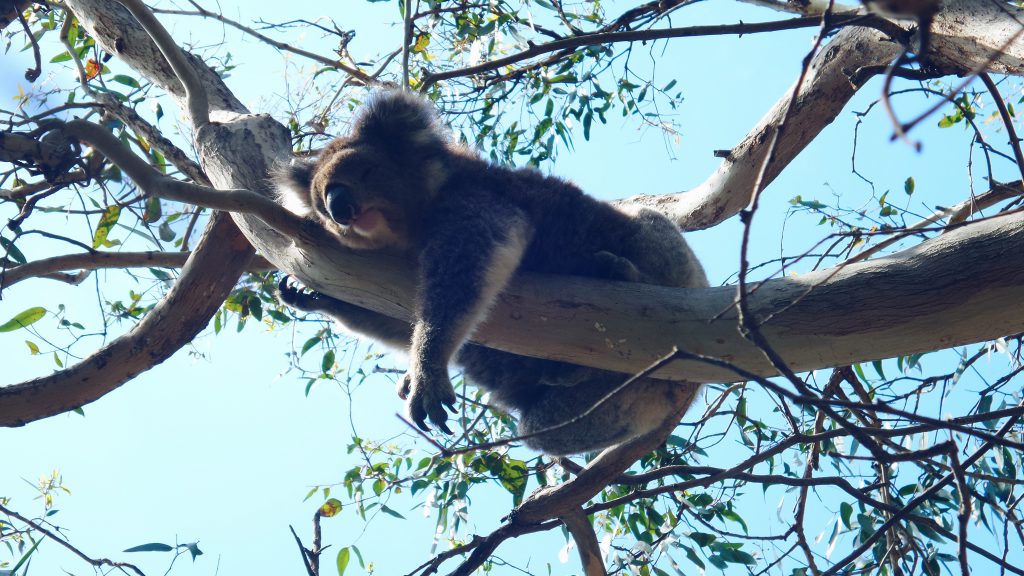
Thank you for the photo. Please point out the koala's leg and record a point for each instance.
(659, 252)
(556, 501)
(385, 329)
(592, 415)
(462, 269)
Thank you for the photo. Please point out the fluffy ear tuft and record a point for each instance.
(400, 122)
(293, 182)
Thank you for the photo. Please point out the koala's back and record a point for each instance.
(569, 227)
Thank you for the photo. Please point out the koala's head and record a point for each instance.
(372, 187)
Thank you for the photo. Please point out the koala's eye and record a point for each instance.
(341, 206)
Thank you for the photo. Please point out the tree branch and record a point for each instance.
(236, 153)
(196, 102)
(574, 42)
(100, 260)
(961, 287)
(965, 34)
(586, 542)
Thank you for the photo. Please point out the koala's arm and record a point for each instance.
(385, 329)
(467, 262)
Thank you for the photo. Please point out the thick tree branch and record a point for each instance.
(824, 93)
(965, 34)
(586, 542)
(196, 102)
(964, 286)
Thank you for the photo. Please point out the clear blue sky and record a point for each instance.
(221, 447)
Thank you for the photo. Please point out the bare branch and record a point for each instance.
(100, 260)
(94, 562)
(586, 542)
(197, 103)
(332, 62)
(574, 42)
(157, 184)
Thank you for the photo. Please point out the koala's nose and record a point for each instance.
(340, 204)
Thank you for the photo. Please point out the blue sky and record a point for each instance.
(222, 446)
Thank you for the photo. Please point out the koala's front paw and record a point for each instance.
(293, 293)
(426, 393)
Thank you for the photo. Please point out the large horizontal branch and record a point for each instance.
(962, 287)
(966, 34)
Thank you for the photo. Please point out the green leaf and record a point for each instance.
(309, 344)
(693, 557)
(845, 511)
(107, 221)
(165, 232)
(194, 550)
(153, 211)
(330, 508)
(513, 477)
(422, 41)
(151, 547)
(908, 185)
(342, 562)
(328, 362)
(877, 365)
(12, 251)
(563, 79)
(702, 539)
(391, 512)
(25, 318)
(32, 347)
(62, 57)
(126, 80)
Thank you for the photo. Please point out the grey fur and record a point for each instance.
(396, 183)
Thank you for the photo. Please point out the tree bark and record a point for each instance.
(962, 287)
(236, 153)
(965, 35)
(615, 326)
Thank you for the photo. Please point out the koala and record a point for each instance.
(396, 183)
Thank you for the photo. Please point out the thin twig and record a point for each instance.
(95, 562)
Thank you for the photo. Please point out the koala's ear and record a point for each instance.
(402, 123)
(293, 184)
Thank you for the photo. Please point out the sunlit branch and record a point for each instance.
(153, 182)
(332, 62)
(97, 563)
(195, 92)
(104, 260)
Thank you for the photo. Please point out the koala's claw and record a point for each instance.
(426, 399)
(295, 294)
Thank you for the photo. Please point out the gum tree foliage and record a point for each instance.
(913, 454)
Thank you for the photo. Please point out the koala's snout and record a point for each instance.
(340, 204)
